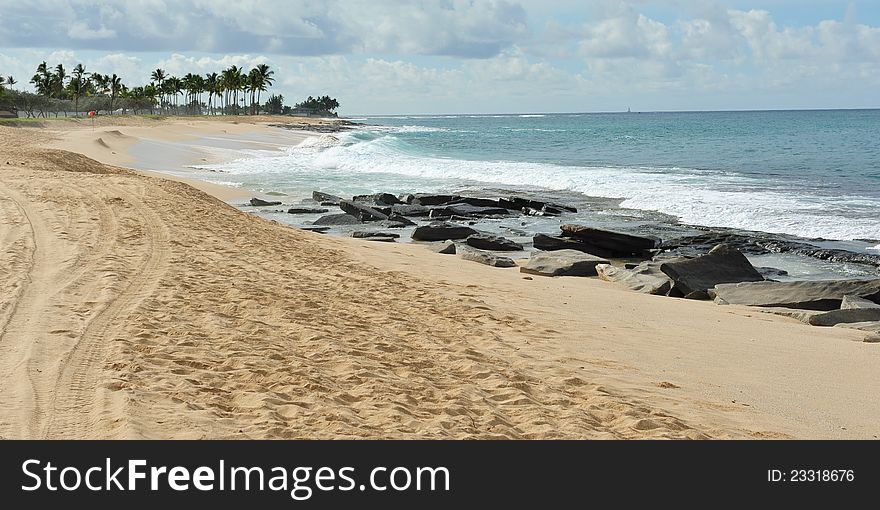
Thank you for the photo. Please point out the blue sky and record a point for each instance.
(478, 56)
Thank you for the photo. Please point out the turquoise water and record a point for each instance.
(806, 173)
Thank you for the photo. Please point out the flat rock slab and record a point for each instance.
(381, 239)
(306, 210)
(723, 264)
(362, 212)
(801, 315)
(257, 202)
(553, 243)
(365, 235)
(562, 263)
(337, 219)
(442, 231)
(467, 211)
(853, 302)
(822, 295)
(428, 199)
(487, 258)
(850, 315)
(377, 198)
(492, 243)
(645, 278)
(616, 242)
(861, 326)
(325, 198)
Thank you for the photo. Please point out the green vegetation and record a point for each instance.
(57, 92)
(320, 105)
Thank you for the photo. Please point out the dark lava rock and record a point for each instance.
(427, 199)
(306, 210)
(441, 231)
(411, 210)
(378, 199)
(618, 243)
(359, 234)
(551, 243)
(326, 198)
(467, 211)
(723, 264)
(807, 295)
(518, 204)
(477, 202)
(256, 202)
(362, 212)
(319, 230)
(771, 273)
(337, 219)
(493, 243)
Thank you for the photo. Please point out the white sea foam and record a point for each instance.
(874, 248)
(530, 116)
(696, 197)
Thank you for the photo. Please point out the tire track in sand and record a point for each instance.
(76, 396)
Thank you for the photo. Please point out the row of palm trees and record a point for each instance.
(165, 93)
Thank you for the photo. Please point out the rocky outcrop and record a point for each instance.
(562, 263)
(645, 278)
(428, 199)
(552, 243)
(306, 210)
(618, 243)
(493, 243)
(723, 264)
(486, 258)
(325, 198)
(855, 302)
(467, 211)
(337, 219)
(360, 234)
(411, 210)
(477, 202)
(362, 212)
(519, 203)
(810, 295)
(382, 199)
(258, 202)
(442, 231)
(849, 315)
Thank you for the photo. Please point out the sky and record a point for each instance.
(476, 56)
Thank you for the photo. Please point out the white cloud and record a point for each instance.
(79, 30)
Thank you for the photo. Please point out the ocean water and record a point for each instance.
(811, 174)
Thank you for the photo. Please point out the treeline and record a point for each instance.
(233, 91)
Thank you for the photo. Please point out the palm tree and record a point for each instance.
(229, 80)
(77, 85)
(9, 81)
(266, 79)
(253, 83)
(58, 81)
(158, 76)
(116, 87)
(211, 81)
(42, 80)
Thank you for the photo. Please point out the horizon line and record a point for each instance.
(612, 112)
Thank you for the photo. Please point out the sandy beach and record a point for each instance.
(140, 304)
